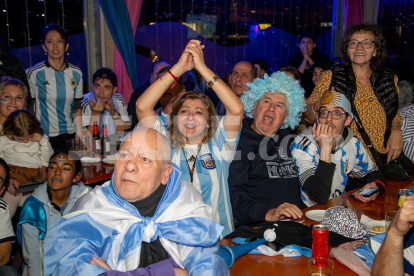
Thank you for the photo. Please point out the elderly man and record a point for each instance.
(263, 183)
(243, 72)
(144, 219)
(327, 152)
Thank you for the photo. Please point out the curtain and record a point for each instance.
(122, 19)
(370, 11)
(353, 12)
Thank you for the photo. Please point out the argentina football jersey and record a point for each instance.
(54, 93)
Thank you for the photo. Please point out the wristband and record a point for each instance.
(212, 81)
(174, 77)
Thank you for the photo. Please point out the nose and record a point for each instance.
(330, 117)
(131, 166)
(13, 99)
(272, 106)
(359, 44)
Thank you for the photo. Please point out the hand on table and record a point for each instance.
(358, 196)
(394, 145)
(284, 211)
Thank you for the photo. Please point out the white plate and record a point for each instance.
(105, 160)
(316, 215)
(371, 224)
(90, 159)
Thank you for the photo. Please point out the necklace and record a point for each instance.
(60, 68)
(191, 171)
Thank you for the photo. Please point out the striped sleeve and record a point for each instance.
(6, 229)
(407, 127)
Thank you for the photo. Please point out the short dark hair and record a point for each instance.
(7, 169)
(379, 43)
(308, 35)
(54, 27)
(320, 65)
(106, 73)
(165, 69)
(253, 71)
(262, 62)
(72, 156)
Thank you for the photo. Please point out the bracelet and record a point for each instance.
(212, 81)
(174, 77)
(163, 81)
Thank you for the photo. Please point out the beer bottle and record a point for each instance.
(96, 139)
(106, 143)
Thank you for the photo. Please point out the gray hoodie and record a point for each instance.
(32, 247)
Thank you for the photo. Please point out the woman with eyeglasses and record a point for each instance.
(371, 87)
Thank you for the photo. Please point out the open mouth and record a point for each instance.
(267, 119)
(190, 126)
(56, 180)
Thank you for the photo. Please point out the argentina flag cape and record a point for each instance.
(102, 224)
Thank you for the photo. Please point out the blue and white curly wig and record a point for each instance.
(281, 83)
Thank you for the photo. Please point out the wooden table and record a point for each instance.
(93, 173)
(295, 266)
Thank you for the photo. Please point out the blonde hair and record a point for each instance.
(7, 80)
(21, 123)
(177, 138)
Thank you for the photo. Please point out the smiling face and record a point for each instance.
(103, 88)
(61, 173)
(269, 113)
(13, 98)
(360, 55)
(242, 74)
(54, 45)
(139, 168)
(339, 125)
(192, 120)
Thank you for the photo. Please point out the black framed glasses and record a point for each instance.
(366, 43)
(336, 114)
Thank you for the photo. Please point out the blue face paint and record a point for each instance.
(2, 101)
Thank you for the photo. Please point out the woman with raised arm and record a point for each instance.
(203, 148)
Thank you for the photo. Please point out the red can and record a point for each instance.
(320, 235)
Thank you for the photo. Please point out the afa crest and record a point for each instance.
(73, 82)
(346, 166)
(207, 161)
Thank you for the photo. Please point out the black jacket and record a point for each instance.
(382, 83)
(257, 183)
(10, 65)
(306, 77)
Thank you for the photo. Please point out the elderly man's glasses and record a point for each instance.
(366, 43)
(336, 114)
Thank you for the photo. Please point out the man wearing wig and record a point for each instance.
(327, 152)
(145, 220)
(263, 183)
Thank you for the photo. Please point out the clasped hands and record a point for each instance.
(102, 104)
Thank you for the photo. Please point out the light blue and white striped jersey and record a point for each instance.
(55, 93)
(106, 119)
(164, 117)
(211, 172)
(407, 127)
(351, 156)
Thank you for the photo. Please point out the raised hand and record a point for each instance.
(36, 137)
(195, 48)
(323, 135)
(110, 107)
(98, 107)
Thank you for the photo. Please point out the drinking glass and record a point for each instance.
(320, 267)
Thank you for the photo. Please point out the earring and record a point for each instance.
(67, 53)
(45, 54)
